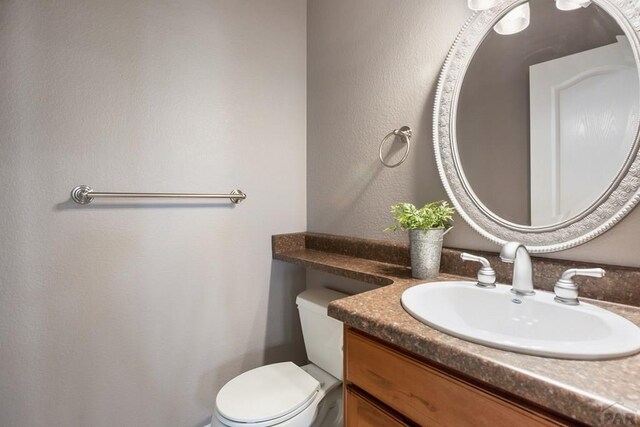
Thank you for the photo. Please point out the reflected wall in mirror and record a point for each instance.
(548, 117)
(536, 132)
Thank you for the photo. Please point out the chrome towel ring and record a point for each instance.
(405, 133)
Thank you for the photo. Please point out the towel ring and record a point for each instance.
(405, 133)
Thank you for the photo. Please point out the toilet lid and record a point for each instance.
(266, 393)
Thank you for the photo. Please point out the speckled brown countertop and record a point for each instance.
(592, 392)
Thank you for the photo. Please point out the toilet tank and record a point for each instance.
(322, 334)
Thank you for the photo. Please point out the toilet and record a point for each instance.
(287, 395)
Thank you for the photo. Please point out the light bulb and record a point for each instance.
(515, 21)
(572, 4)
(482, 4)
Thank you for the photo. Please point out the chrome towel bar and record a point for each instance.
(84, 194)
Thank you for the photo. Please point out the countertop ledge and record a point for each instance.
(592, 392)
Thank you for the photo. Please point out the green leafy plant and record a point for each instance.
(432, 215)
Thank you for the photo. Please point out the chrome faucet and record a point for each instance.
(516, 253)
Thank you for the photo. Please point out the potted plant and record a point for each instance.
(427, 227)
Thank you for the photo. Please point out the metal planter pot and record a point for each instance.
(426, 249)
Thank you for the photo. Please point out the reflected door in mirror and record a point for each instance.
(583, 125)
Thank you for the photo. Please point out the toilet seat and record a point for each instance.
(301, 417)
(266, 396)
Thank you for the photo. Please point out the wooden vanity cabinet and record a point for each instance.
(385, 386)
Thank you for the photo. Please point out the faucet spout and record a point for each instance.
(516, 253)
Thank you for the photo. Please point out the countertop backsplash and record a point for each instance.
(620, 285)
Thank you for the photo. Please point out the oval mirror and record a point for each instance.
(537, 121)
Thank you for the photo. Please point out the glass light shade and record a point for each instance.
(482, 4)
(515, 21)
(572, 4)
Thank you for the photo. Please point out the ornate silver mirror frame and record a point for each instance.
(621, 197)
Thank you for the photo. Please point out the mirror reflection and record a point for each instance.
(548, 116)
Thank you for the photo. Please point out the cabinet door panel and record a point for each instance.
(425, 394)
(361, 412)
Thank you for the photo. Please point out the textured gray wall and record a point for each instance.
(372, 67)
(135, 314)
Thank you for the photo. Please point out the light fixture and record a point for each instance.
(482, 4)
(572, 4)
(515, 21)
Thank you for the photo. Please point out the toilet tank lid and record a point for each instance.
(318, 299)
(266, 393)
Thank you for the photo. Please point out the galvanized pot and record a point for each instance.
(426, 249)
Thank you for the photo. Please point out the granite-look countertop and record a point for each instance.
(591, 392)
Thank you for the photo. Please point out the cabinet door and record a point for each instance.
(426, 395)
(361, 412)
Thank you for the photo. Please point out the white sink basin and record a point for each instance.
(534, 325)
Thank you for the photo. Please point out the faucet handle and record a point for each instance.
(486, 274)
(566, 290)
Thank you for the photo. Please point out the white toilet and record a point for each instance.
(284, 394)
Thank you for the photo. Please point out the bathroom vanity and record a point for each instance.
(386, 386)
(413, 374)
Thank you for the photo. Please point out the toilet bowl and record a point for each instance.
(287, 395)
